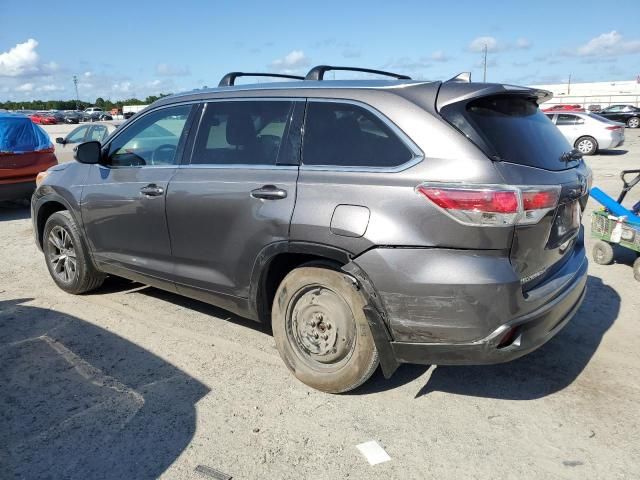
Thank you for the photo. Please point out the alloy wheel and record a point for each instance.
(585, 146)
(62, 254)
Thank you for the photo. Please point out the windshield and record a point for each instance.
(511, 129)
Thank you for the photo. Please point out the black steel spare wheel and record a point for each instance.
(321, 331)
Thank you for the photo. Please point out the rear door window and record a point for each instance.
(512, 129)
(565, 119)
(242, 132)
(346, 135)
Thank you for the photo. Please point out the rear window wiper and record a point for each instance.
(573, 154)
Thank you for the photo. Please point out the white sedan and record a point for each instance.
(588, 132)
(83, 133)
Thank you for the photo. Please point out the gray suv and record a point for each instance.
(370, 222)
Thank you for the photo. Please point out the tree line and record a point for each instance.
(71, 104)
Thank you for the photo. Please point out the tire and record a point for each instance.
(586, 145)
(321, 331)
(602, 253)
(67, 257)
(633, 122)
(636, 269)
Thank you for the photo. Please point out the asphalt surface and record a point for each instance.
(133, 382)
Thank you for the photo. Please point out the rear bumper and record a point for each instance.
(17, 191)
(453, 307)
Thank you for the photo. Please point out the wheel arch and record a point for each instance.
(44, 208)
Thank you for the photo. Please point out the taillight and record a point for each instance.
(614, 128)
(492, 205)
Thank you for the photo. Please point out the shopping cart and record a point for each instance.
(615, 224)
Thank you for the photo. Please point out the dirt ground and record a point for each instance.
(133, 382)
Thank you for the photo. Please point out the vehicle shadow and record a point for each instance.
(78, 401)
(612, 152)
(15, 210)
(549, 369)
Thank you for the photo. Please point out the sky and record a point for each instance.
(123, 49)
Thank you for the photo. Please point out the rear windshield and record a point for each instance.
(511, 129)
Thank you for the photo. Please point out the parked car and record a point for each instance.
(71, 116)
(25, 151)
(589, 132)
(595, 108)
(83, 133)
(128, 115)
(627, 114)
(96, 116)
(43, 118)
(563, 108)
(407, 222)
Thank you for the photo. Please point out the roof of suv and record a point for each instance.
(421, 92)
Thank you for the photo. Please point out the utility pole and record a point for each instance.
(75, 84)
(484, 64)
(569, 86)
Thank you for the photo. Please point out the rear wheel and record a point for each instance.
(633, 122)
(587, 145)
(66, 256)
(636, 269)
(320, 330)
(602, 253)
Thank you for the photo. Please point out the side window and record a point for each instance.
(549, 116)
(98, 132)
(345, 135)
(77, 135)
(564, 119)
(241, 132)
(151, 140)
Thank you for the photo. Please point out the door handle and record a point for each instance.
(269, 192)
(152, 190)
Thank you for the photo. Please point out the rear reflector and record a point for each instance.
(492, 205)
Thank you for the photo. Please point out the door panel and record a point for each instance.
(64, 152)
(123, 202)
(237, 194)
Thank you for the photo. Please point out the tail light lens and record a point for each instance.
(492, 205)
(614, 128)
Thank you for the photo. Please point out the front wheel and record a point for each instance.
(633, 122)
(321, 331)
(66, 256)
(587, 145)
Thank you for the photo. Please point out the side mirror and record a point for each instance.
(60, 140)
(88, 152)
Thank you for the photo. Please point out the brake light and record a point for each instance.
(492, 205)
(614, 128)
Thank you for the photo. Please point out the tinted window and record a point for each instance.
(564, 119)
(241, 132)
(77, 135)
(511, 129)
(341, 134)
(151, 140)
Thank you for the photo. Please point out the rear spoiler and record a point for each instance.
(457, 91)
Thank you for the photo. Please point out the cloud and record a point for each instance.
(478, 44)
(351, 53)
(167, 70)
(25, 87)
(291, 61)
(20, 60)
(523, 43)
(439, 56)
(50, 88)
(608, 44)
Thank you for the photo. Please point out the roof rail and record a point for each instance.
(464, 77)
(317, 72)
(230, 78)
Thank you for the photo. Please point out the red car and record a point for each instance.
(25, 151)
(43, 118)
(564, 108)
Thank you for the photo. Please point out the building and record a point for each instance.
(595, 93)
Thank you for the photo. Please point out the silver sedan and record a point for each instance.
(588, 132)
(83, 133)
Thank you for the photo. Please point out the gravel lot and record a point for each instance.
(133, 382)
